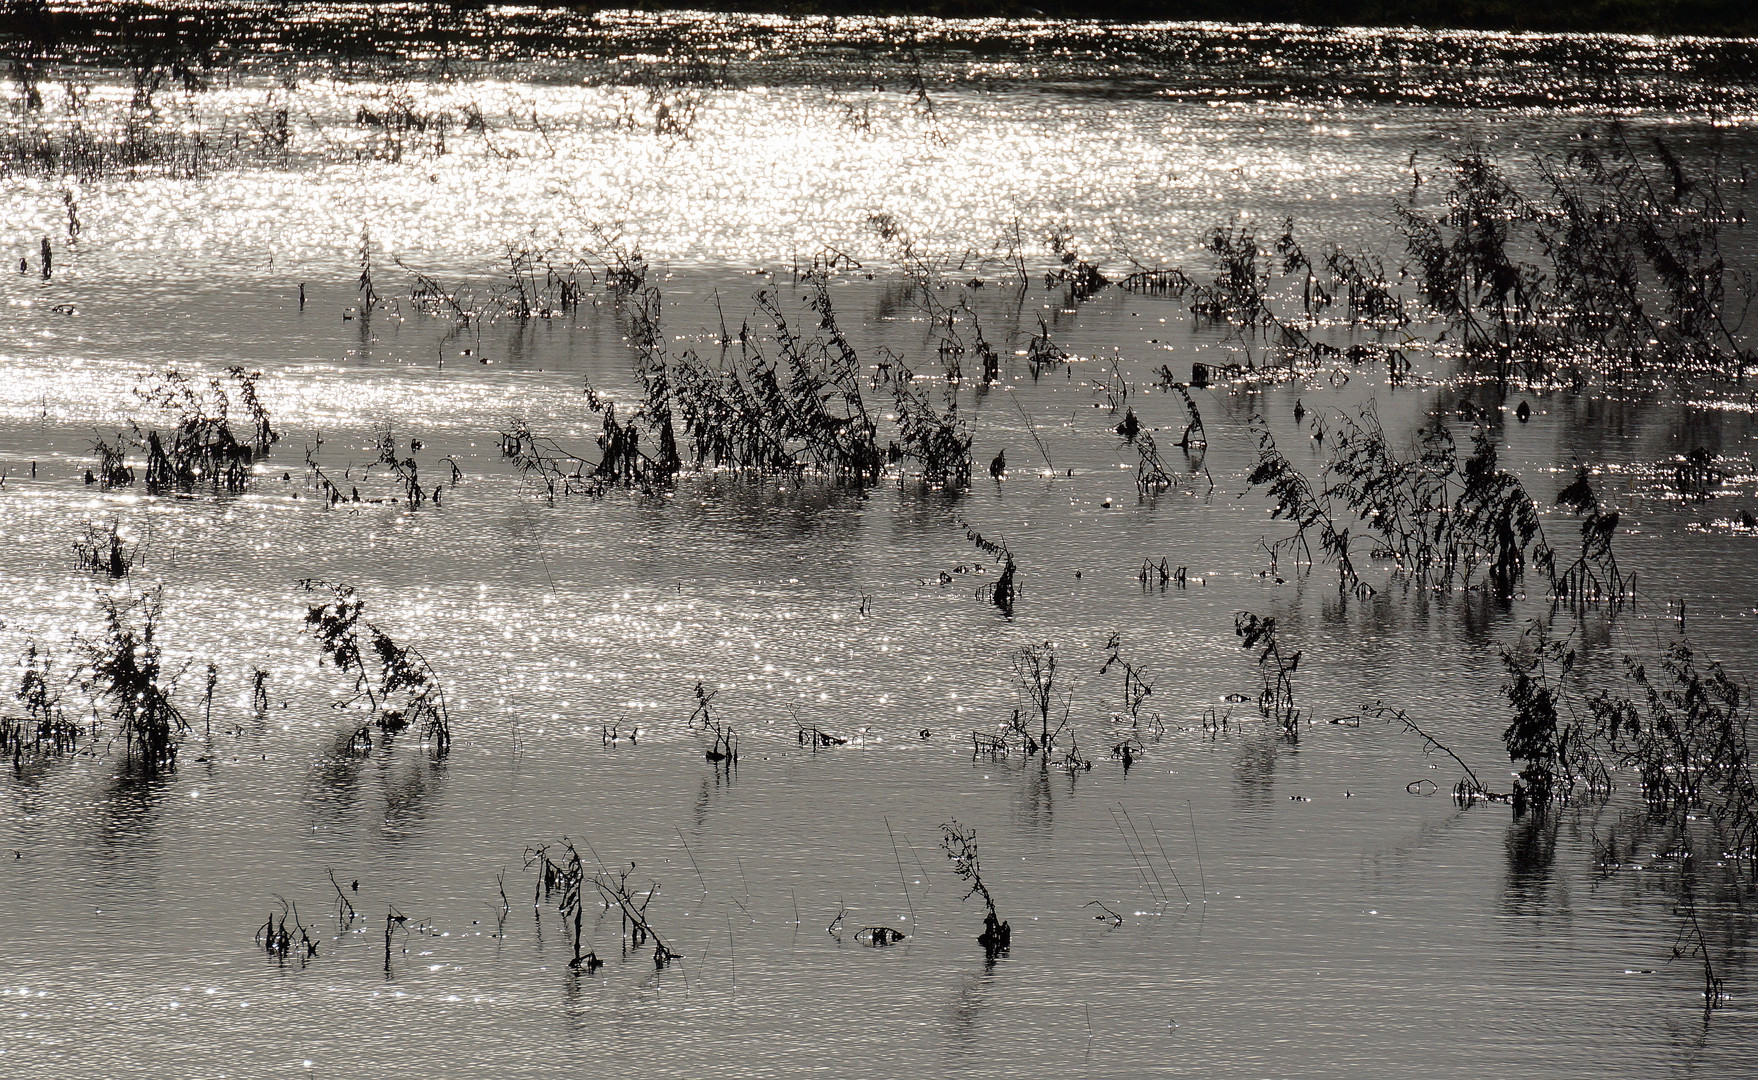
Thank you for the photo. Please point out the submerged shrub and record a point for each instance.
(1559, 752)
(932, 435)
(1683, 727)
(772, 402)
(124, 672)
(800, 408)
(44, 729)
(1617, 256)
(1034, 672)
(1136, 689)
(565, 878)
(400, 688)
(203, 448)
(1275, 701)
(112, 467)
(1687, 732)
(1443, 519)
(219, 429)
(1496, 522)
(1594, 575)
(1237, 293)
(1299, 502)
(102, 550)
(960, 845)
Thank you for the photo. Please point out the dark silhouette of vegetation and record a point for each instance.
(1594, 575)
(774, 403)
(405, 471)
(1687, 733)
(286, 942)
(817, 738)
(723, 741)
(202, 449)
(1034, 671)
(399, 687)
(1469, 788)
(103, 551)
(1556, 746)
(398, 475)
(1616, 262)
(614, 888)
(1136, 691)
(1276, 700)
(124, 673)
(1299, 502)
(113, 467)
(44, 730)
(1684, 730)
(565, 879)
(960, 845)
(1004, 590)
(1440, 519)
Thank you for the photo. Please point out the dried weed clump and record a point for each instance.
(398, 686)
(219, 429)
(772, 401)
(1441, 518)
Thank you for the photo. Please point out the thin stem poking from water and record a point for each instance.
(1714, 995)
(693, 864)
(1173, 870)
(345, 913)
(1032, 430)
(1202, 879)
(900, 878)
(394, 921)
(925, 882)
(1467, 787)
(1135, 858)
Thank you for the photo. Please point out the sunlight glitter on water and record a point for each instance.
(753, 180)
(1328, 912)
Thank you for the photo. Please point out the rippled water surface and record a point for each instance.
(1286, 909)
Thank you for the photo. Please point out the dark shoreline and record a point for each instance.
(101, 31)
(1716, 18)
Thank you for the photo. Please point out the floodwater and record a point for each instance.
(1318, 908)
